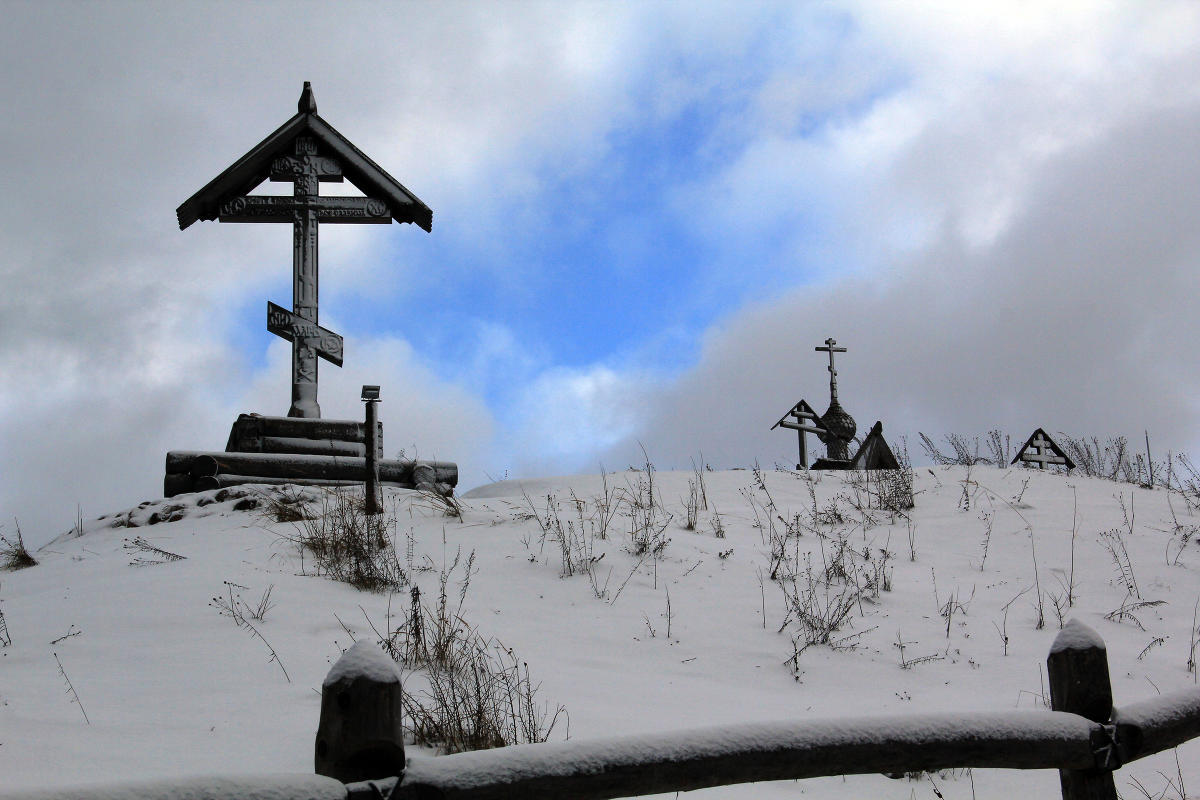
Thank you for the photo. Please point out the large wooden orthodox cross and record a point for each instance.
(305, 151)
(305, 169)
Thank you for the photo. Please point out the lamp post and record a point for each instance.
(370, 396)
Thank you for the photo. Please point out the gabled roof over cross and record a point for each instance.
(255, 167)
(803, 418)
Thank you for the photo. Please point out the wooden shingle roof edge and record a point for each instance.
(254, 167)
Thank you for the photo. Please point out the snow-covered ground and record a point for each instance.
(172, 688)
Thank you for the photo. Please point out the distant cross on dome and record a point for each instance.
(831, 349)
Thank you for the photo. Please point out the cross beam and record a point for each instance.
(323, 342)
(275, 208)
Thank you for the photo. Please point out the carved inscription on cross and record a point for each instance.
(305, 168)
(295, 328)
(831, 349)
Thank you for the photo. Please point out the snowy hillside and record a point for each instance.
(668, 629)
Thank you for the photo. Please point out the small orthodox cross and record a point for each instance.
(1043, 452)
(831, 349)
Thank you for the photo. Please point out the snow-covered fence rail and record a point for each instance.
(1083, 750)
(696, 759)
(1085, 738)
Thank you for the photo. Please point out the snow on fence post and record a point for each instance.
(1079, 684)
(359, 737)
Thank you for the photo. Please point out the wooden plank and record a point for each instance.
(346, 430)
(797, 427)
(320, 447)
(224, 481)
(293, 327)
(371, 460)
(305, 164)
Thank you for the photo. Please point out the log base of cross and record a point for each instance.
(302, 451)
(192, 471)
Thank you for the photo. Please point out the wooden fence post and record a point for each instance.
(1079, 684)
(360, 737)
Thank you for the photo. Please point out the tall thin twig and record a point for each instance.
(71, 689)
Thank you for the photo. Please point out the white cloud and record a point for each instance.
(569, 416)
(422, 413)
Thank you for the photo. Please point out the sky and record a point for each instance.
(646, 215)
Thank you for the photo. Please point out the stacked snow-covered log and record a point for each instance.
(253, 433)
(192, 471)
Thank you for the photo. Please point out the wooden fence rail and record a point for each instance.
(696, 759)
(1085, 738)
